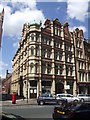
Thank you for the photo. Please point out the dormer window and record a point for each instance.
(56, 31)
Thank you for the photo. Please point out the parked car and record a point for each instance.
(84, 97)
(72, 112)
(49, 99)
(68, 97)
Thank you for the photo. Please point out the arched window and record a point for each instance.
(37, 50)
(32, 50)
(32, 37)
(37, 68)
(37, 37)
(31, 67)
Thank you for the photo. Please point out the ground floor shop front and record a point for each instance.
(83, 88)
(33, 88)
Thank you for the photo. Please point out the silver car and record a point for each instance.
(68, 97)
(84, 97)
(49, 99)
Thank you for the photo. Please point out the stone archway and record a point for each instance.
(59, 87)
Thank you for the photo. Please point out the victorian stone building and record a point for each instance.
(45, 60)
(51, 59)
(82, 59)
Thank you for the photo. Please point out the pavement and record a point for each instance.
(19, 102)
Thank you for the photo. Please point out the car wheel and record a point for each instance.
(82, 100)
(41, 103)
(60, 102)
(75, 101)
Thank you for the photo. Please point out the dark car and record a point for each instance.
(49, 99)
(9, 116)
(72, 112)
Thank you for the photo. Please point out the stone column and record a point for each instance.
(74, 88)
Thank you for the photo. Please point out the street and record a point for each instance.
(31, 111)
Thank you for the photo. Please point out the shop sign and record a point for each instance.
(66, 87)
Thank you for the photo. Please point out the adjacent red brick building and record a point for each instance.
(6, 83)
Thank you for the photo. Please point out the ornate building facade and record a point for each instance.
(45, 60)
(51, 59)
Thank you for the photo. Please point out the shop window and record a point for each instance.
(46, 83)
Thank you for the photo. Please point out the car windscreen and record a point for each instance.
(70, 107)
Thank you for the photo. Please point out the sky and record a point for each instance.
(18, 12)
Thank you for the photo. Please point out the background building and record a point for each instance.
(44, 61)
(6, 83)
(82, 57)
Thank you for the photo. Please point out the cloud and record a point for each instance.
(15, 44)
(77, 9)
(58, 8)
(19, 12)
(3, 65)
(22, 4)
(80, 27)
(61, 0)
(3, 75)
